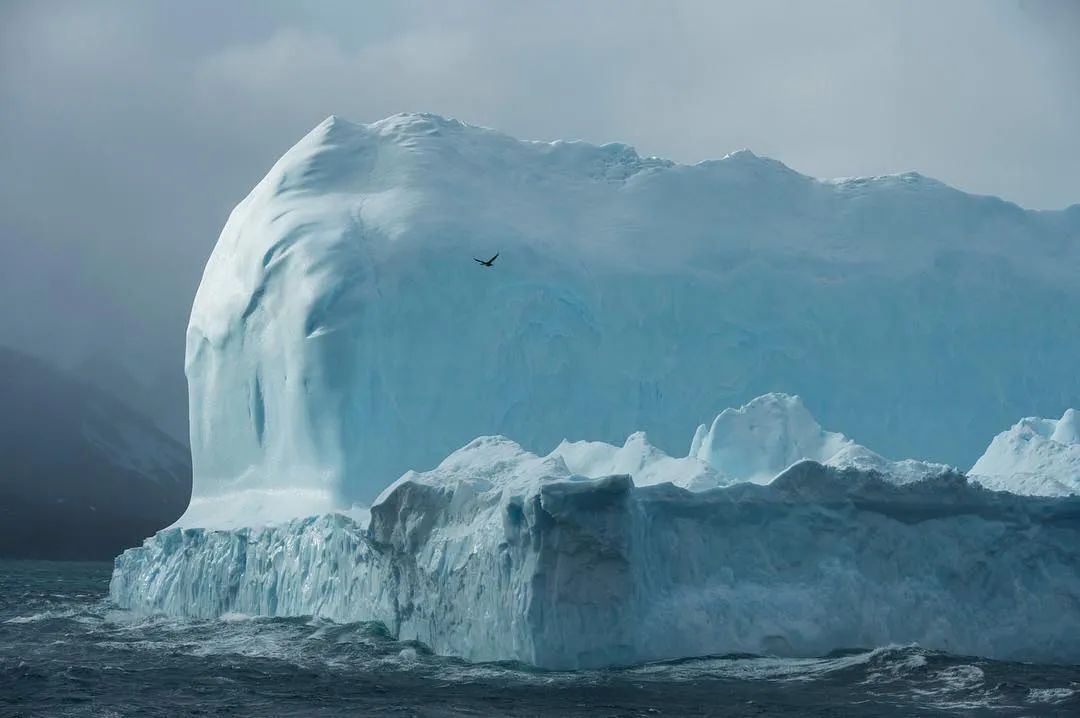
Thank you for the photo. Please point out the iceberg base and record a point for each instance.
(570, 573)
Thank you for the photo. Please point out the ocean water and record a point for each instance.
(65, 651)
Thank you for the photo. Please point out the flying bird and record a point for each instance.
(489, 262)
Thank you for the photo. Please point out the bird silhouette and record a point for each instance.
(489, 262)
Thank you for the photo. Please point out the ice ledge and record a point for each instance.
(255, 507)
(575, 573)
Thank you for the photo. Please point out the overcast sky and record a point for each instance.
(129, 129)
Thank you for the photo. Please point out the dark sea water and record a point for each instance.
(65, 651)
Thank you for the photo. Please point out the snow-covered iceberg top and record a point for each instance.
(501, 554)
(1035, 456)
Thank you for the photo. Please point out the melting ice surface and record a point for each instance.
(342, 334)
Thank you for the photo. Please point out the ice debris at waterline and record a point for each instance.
(342, 332)
(500, 554)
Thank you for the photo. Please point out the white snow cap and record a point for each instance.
(759, 440)
(1035, 456)
(754, 443)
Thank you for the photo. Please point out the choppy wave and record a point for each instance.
(75, 654)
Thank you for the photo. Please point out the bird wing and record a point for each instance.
(479, 260)
(493, 258)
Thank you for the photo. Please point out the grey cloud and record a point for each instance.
(129, 129)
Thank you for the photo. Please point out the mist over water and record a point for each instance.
(65, 651)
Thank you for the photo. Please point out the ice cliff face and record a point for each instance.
(342, 333)
(1036, 456)
(500, 554)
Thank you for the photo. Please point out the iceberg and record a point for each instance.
(1036, 456)
(500, 554)
(342, 333)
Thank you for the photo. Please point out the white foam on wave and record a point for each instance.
(754, 667)
(43, 616)
(1050, 695)
(235, 617)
